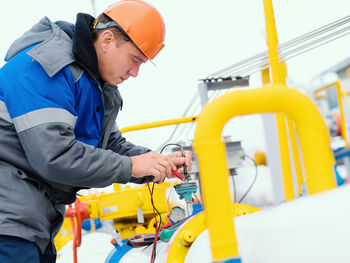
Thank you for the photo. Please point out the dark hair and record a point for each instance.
(103, 18)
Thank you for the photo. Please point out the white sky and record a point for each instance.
(202, 36)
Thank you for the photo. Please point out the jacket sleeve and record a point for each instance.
(117, 143)
(55, 155)
(43, 113)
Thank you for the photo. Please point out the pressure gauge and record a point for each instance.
(177, 214)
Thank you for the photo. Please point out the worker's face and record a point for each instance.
(117, 61)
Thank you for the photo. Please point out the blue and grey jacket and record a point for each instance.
(57, 128)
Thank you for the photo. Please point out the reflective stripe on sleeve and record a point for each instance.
(4, 114)
(42, 116)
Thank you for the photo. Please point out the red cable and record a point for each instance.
(156, 239)
(176, 174)
(155, 217)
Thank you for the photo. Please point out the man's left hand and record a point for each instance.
(179, 161)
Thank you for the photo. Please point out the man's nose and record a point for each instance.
(134, 70)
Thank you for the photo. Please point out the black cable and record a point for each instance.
(182, 154)
(160, 217)
(174, 144)
(154, 251)
(256, 175)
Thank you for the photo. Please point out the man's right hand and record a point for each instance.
(154, 164)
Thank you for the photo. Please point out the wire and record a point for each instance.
(315, 32)
(155, 241)
(160, 217)
(177, 174)
(288, 49)
(183, 155)
(309, 49)
(151, 194)
(173, 144)
(158, 229)
(314, 42)
(154, 250)
(251, 185)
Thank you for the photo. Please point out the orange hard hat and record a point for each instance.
(142, 23)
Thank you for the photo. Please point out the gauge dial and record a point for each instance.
(177, 214)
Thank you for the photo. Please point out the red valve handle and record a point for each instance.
(80, 212)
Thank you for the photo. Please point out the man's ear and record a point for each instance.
(107, 38)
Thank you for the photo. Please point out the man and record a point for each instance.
(58, 105)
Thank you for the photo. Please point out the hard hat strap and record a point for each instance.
(99, 25)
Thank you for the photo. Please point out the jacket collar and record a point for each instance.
(83, 46)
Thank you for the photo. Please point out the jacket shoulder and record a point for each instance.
(53, 49)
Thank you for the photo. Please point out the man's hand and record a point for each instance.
(152, 163)
(179, 161)
(159, 166)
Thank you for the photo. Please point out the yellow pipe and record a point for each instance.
(316, 92)
(155, 124)
(295, 152)
(345, 94)
(279, 73)
(340, 92)
(319, 96)
(278, 76)
(283, 145)
(265, 77)
(210, 150)
(342, 115)
(285, 158)
(284, 149)
(324, 88)
(294, 146)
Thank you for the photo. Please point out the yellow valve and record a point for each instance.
(260, 158)
(93, 209)
(130, 208)
(140, 229)
(188, 237)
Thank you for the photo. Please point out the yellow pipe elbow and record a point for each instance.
(210, 150)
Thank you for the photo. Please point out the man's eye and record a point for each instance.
(134, 61)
